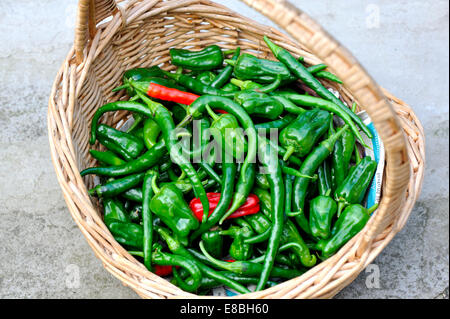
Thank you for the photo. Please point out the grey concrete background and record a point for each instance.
(42, 248)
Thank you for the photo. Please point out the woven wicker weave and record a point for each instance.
(113, 36)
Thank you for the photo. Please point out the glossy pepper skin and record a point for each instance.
(321, 212)
(225, 128)
(354, 187)
(124, 144)
(249, 67)
(209, 58)
(108, 158)
(259, 104)
(116, 187)
(169, 205)
(341, 158)
(151, 132)
(213, 242)
(302, 135)
(206, 77)
(238, 249)
(350, 223)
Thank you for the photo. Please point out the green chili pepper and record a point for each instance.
(311, 101)
(259, 104)
(147, 217)
(270, 162)
(164, 259)
(151, 132)
(248, 268)
(341, 158)
(209, 58)
(350, 223)
(169, 205)
(225, 128)
(261, 181)
(328, 76)
(128, 234)
(206, 77)
(125, 144)
(249, 67)
(133, 194)
(176, 247)
(309, 167)
(225, 75)
(214, 242)
(325, 178)
(114, 212)
(107, 157)
(239, 250)
(302, 73)
(302, 135)
(277, 124)
(117, 187)
(321, 212)
(230, 87)
(354, 187)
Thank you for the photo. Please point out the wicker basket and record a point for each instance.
(113, 36)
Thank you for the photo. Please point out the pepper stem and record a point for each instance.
(155, 187)
(211, 113)
(230, 62)
(372, 209)
(341, 206)
(272, 46)
(228, 52)
(122, 87)
(216, 262)
(289, 151)
(238, 83)
(328, 193)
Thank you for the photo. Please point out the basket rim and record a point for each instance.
(365, 258)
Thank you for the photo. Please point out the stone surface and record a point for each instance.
(44, 255)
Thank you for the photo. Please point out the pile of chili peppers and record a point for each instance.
(276, 209)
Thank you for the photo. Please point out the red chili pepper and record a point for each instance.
(162, 271)
(172, 95)
(250, 207)
(164, 93)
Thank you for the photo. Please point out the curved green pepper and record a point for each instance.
(207, 59)
(114, 211)
(206, 77)
(354, 187)
(259, 104)
(341, 157)
(225, 128)
(125, 144)
(249, 67)
(214, 242)
(239, 250)
(321, 212)
(302, 135)
(350, 223)
(151, 133)
(169, 205)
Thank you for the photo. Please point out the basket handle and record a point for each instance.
(90, 12)
(307, 32)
